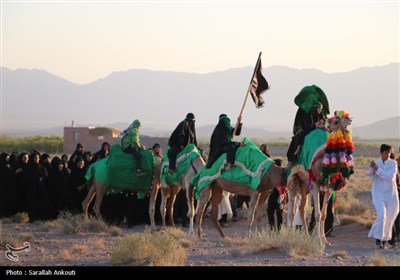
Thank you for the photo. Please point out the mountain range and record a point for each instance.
(35, 102)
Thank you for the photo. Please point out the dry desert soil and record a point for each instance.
(350, 247)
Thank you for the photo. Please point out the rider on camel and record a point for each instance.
(184, 134)
(130, 143)
(313, 119)
(221, 141)
(313, 108)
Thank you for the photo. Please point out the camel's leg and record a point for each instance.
(100, 192)
(303, 202)
(327, 196)
(291, 203)
(216, 198)
(205, 195)
(262, 201)
(165, 194)
(190, 203)
(170, 206)
(88, 199)
(317, 213)
(152, 205)
(254, 198)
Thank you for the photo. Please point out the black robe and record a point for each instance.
(8, 205)
(220, 138)
(77, 179)
(183, 135)
(38, 202)
(57, 186)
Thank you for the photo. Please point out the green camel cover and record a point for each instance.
(312, 142)
(121, 171)
(183, 159)
(98, 170)
(250, 165)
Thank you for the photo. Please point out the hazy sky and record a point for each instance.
(84, 41)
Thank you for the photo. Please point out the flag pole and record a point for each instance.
(248, 91)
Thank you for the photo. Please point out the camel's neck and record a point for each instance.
(272, 178)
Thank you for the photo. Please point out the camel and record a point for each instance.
(273, 177)
(322, 158)
(98, 188)
(297, 182)
(169, 191)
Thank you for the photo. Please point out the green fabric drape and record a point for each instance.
(98, 170)
(251, 165)
(310, 95)
(312, 142)
(121, 171)
(183, 159)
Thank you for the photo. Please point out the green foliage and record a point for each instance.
(43, 144)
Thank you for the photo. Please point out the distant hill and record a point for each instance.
(383, 129)
(37, 101)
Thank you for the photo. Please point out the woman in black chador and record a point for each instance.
(184, 134)
(221, 141)
(37, 200)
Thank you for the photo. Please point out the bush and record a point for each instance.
(48, 144)
(148, 249)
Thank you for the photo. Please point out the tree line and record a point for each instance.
(43, 144)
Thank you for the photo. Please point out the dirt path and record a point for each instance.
(54, 248)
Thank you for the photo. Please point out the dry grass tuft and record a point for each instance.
(390, 260)
(148, 249)
(351, 206)
(80, 249)
(20, 218)
(70, 223)
(15, 240)
(393, 260)
(66, 255)
(25, 236)
(10, 240)
(93, 225)
(115, 231)
(237, 241)
(48, 225)
(360, 160)
(184, 240)
(264, 240)
(348, 219)
(98, 243)
(78, 223)
(294, 243)
(378, 260)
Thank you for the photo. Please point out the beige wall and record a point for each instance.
(92, 138)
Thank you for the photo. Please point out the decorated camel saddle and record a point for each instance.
(120, 171)
(250, 165)
(183, 161)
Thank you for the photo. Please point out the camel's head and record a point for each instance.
(334, 124)
(344, 117)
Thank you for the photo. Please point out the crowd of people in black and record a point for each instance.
(44, 187)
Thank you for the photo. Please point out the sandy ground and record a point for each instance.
(54, 248)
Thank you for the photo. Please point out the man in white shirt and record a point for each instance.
(384, 197)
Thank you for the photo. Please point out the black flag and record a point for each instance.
(258, 85)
